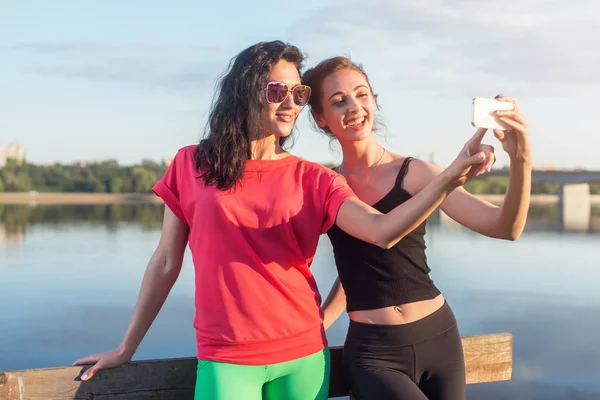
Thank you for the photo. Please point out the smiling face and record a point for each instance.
(278, 118)
(348, 105)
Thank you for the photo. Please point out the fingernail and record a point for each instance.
(83, 376)
(489, 168)
(480, 156)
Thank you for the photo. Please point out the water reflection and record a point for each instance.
(543, 218)
(75, 277)
(15, 220)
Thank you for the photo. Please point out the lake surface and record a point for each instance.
(70, 275)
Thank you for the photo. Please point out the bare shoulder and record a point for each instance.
(390, 168)
(394, 161)
(419, 174)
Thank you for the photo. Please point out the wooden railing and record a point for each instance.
(488, 358)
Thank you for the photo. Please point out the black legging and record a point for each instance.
(416, 361)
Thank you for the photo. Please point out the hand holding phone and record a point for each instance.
(483, 113)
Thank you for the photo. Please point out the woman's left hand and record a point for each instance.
(473, 147)
(515, 139)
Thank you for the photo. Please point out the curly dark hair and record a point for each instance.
(235, 117)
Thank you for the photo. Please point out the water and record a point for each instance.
(70, 275)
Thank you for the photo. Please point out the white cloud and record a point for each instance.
(529, 45)
(172, 66)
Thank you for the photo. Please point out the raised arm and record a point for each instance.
(504, 222)
(384, 230)
(160, 276)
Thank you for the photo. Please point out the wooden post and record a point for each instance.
(488, 358)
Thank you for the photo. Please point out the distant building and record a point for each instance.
(544, 167)
(12, 152)
(87, 163)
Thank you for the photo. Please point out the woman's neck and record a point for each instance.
(359, 156)
(266, 148)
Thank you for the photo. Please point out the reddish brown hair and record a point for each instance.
(315, 76)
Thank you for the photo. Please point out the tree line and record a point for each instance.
(105, 177)
(110, 177)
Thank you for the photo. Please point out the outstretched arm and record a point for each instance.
(160, 276)
(384, 230)
(504, 222)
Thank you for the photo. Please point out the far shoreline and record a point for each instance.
(77, 198)
(33, 198)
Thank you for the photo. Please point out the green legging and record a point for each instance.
(306, 378)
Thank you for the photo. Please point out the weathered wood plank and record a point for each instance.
(156, 379)
(488, 358)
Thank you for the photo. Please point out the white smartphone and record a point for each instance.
(483, 108)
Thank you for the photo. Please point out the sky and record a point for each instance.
(132, 80)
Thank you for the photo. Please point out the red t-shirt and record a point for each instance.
(256, 299)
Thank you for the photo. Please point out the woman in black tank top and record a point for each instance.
(403, 341)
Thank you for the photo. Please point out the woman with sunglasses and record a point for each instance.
(403, 341)
(252, 215)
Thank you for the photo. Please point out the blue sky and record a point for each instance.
(83, 80)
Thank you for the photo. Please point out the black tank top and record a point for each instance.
(373, 277)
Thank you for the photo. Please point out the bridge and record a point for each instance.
(559, 177)
(574, 199)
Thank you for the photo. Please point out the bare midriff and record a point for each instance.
(400, 314)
